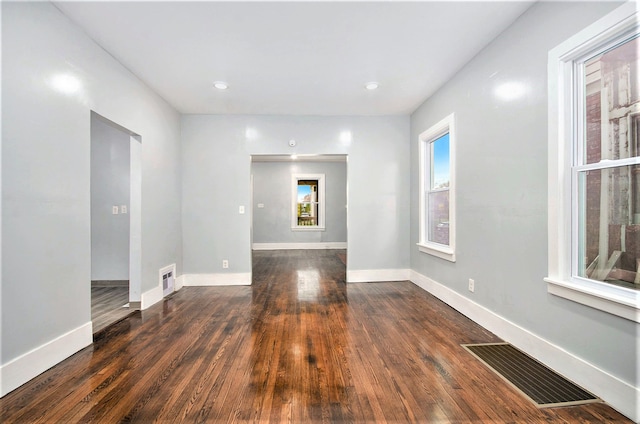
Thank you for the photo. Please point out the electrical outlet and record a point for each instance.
(123, 209)
(114, 210)
(225, 263)
(472, 285)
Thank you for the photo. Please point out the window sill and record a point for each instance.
(307, 228)
(618, 301)
(437, 250)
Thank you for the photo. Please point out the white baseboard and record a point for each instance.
(620, 395)
(20, 370)
(179, 283)
(299, 246)
(377, 275)
(237, 279)
(151, 297)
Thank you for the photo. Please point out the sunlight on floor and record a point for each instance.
(308, 285)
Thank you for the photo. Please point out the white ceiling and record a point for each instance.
(294, 58)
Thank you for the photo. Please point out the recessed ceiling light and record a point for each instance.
(220, 85)
(371, 85)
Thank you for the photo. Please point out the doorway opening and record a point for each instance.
(299, 203)
(115, 222)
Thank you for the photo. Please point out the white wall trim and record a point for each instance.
(620, 301)
(232, 279)
(303, 246)
(433, 249)
(20, 370)
(151, 297)
(377, 275)
(135, 219)
(620, 395)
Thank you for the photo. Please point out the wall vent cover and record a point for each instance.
(167, 277)
(540, 384)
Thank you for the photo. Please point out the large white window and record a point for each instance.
(307, 202)
(594, 166)
(437, 190)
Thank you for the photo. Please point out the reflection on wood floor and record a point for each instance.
(299, 346)
(108, 305)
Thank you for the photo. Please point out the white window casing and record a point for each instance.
(319, 201)
(565, 131)
(426, 138)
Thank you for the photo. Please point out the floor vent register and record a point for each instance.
(543, 386)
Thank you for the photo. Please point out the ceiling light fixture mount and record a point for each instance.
(221, 85)
(371, 85)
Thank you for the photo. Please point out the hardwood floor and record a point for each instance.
(299, 345)
(108, 305)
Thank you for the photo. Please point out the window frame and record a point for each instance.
(446, 125)
(565, 133)
(321, 202)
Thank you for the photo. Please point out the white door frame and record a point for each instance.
(135, 212)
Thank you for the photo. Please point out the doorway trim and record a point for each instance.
(341, 157)
(135, 223)
(135, 211)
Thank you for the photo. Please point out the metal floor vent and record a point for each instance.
(543, 386)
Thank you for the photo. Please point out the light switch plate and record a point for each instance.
(123, 209)
(114, 210)
(241, 210)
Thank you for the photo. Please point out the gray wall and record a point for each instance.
(502, 191)
(46, 172)
(216, 160)
(110, 186)
(502, 177)
(272, 188)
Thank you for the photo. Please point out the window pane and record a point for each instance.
(612, 92)
(609, 225)
(439, 217)
(308, 203)
(440, 162)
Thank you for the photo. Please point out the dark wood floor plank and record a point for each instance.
(299, 345)
(108, 305)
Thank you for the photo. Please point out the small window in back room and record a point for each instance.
(308, 202)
